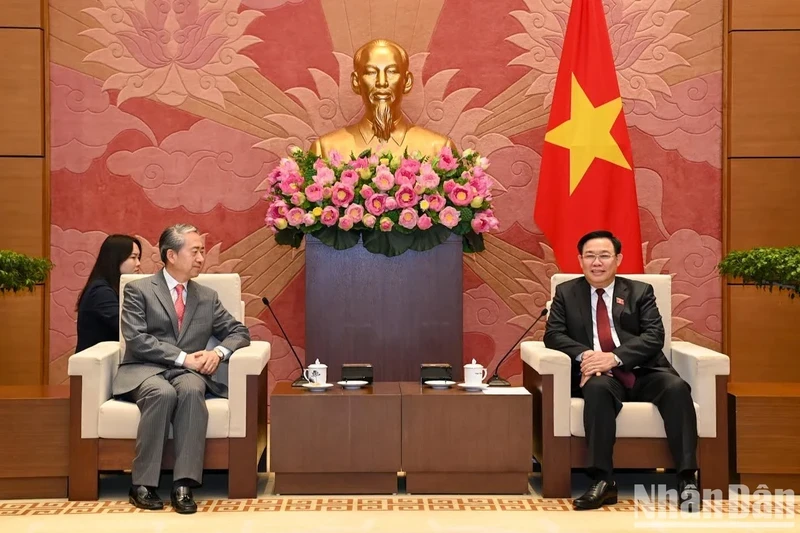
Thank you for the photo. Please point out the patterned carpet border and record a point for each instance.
(371, 504)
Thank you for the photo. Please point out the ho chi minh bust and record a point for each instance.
(381, 76)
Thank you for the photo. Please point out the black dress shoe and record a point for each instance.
(599, 494)
(145, 498)
(689, 497)
(183, 501)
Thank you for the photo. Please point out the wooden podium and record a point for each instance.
(393, 312)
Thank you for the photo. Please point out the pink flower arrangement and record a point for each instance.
(378, 191)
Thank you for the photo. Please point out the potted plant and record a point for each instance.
(19, 272)
(766, 268)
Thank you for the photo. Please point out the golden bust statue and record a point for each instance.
(381, 77)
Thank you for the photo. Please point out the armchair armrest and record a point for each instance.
(558, 364)
(95, 366)
(247, 361)
(699, 367)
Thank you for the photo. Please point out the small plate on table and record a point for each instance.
(440, 384)
(352, 384)
(473, 387)
(317, 387)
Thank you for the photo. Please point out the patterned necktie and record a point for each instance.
(607, 341)
(180, 307)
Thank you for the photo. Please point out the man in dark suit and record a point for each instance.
(611, 328)
(167, 321)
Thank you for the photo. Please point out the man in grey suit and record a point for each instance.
(167, 321)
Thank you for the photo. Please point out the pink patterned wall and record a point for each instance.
(176, 110)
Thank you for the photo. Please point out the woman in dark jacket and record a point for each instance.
(98, 304)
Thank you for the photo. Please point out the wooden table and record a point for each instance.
(458, 442)
(34, 441)
(335, 442)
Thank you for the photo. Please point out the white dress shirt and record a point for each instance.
(172, 283)
(608, 298)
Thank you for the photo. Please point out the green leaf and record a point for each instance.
(337, 238)
(765, 267)
(462, 228)
(473, 242)
(365, 153)
(390, 243)
(289, 237)
(430, 238)
(19, 271)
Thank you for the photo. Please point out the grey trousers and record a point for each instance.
(176, 397)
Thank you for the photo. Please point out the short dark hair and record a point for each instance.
(600, 234)
(114, 251)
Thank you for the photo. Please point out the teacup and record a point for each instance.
(474, 373)
(316, 373)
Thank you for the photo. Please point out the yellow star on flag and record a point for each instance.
(587, 134)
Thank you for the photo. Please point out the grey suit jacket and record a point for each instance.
(150, 329)
(636, 320)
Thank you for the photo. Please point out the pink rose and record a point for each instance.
(424, 222)
(483, 223)
(359, 163)
(346, 223)
(384, 179)
(329, 216)
(373, 159)
(449, 217)
(309, 219)
(411, 165)
(446, 160)
(324, 176)
(386, 224)
(481, 184)
(427, 177)
(406, 197)
(449, 185)
(314, 192)
(342, 195)
(376, 204)
(273, 176)
(319, 164)
(419, 188)
(326, 192)
(366, 191)
(369, 220)
(404, 177)
(298, 198)
(349, 177)
(335, 158)
(391, 203)
(277, 209)
(291, 183)
(288, 166)
(355, 212)
(436, 201)
(461, 195)
(408, 218)
(295, 216)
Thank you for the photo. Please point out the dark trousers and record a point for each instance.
(603, 397)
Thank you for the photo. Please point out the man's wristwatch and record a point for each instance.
(220, 353)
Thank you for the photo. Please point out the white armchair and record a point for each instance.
(558, 442)
(103, 430)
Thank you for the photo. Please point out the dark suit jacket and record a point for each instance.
(98, 315)
(637, 322)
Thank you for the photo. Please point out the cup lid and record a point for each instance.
(474, 364)
(317, 364)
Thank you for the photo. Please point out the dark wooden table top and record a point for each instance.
(387, 388)
(29, 392)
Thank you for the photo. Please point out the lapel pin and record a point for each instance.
(620, 301)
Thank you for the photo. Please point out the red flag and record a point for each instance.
(586, 181)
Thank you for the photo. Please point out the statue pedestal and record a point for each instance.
(393, 312)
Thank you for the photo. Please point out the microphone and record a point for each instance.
(497, 381)
(302, 379)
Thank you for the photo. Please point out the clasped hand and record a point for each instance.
(204, 361)
(594, 362)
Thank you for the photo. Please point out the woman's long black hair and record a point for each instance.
(115, 250)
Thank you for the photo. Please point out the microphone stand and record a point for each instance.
(496, 380)
(302, 379)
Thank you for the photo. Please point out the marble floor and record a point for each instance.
(397, 513)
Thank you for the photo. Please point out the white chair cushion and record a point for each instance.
(635, 419)
(120, 420)
(662, 287)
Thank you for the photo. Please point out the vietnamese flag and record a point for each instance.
(586, 181)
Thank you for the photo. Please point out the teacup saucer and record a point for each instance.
(317, 387)
(473, 386)
(440, 384)
(352, 384)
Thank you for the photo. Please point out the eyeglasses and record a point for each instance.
(605, 258)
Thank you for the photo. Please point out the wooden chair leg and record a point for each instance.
(713, 460)
(556, 469)
(242, 466)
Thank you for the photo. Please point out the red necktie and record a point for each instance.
(607, 341)
(180, 307)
